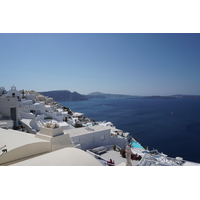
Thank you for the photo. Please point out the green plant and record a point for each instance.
(77, 125)
(23, 92)
(70, 112)
(65, 108)
(114, 147)
(48, 118)
(123, 153)
(139, 157)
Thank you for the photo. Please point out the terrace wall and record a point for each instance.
(92, 140)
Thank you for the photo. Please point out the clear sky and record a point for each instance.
(117, 63)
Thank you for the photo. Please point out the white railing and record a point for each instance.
(26, 115)
(102, 160)
(52, 115)
(28, 128)
(78, 146)
(96, 155)
(39, 123)
(24, 109)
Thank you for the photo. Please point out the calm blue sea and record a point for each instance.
(170, 125)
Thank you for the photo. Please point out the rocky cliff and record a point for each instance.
(64, 95)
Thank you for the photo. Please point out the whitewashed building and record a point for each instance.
(56, 137)
(30, 97)
(14, 93)
(90, 137)
(22, 146)
(9, 110)
(40, 98)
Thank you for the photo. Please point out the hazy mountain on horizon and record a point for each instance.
(100, 95)
(96, 95)
(66, 95)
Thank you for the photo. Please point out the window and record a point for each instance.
(102, 137)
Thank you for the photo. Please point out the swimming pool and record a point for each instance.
(135, 145)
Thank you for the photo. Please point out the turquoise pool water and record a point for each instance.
(135, 144)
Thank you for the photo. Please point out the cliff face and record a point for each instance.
(64, 95)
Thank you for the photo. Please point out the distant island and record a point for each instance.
(100, 95)
(153, 97)
(178, 96)
(66, 95)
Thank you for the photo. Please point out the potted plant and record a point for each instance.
(123, 153)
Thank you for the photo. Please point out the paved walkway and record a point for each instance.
(114, 155)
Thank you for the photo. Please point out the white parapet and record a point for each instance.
(56, 137)
(51, 131)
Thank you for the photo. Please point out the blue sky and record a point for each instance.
(117, 63)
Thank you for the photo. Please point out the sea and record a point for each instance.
(171, 126)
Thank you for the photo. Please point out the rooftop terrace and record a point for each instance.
(106, 153)
(118, 159)
(85, 130)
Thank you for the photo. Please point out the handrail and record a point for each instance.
(96, 155)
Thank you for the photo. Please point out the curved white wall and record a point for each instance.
(25, 151)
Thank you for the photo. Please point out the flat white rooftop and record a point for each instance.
(14, 139)
(85, 130)
(116, 156)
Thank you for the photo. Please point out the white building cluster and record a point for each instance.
(42, 126)
(45, 133)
